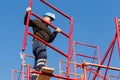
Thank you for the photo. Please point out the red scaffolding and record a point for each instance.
(87, 70)
(69, 36)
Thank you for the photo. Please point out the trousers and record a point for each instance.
(39, 51)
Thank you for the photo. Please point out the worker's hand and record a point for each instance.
(58, 30)
(28, 9)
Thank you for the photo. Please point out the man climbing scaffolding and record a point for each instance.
(41, 30)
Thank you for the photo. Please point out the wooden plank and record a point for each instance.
(45, 70)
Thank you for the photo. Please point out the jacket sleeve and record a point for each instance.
(25, 20)
(52, 36)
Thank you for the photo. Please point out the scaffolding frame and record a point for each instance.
(68, 56)
(96, 54)
(70, 53)
(111, 48)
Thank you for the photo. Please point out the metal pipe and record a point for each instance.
(70, 35)
(109, 60)
(70, 49)
(26, 28)
(74, 55)
(22, 72)
(13, 74)
(56, 9)
(92, 57)
(29, 55)
(84, 69)
(106, 54)
(36, 37)
(85, 44)
(86, 56)
(118, 32)
(54, 27)
(28, 72)
(54, 75)
(60, 68)
(102, 66)
(100, 76)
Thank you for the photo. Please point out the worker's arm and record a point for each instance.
(25, 17)
(54, 34)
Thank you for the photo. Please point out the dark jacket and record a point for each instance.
(41, 30)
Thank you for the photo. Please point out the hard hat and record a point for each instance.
(50, 15)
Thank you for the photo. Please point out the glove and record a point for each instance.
(28, 9)
(58, 30)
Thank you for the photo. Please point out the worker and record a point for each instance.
(41, 30)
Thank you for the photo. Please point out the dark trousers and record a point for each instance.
(39, 51)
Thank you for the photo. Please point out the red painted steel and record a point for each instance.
(100, 76)
(54, 27)
(106, 54)
(13, 74)
(70, 49)
(68, 56)
(84, 69)
(17, 71)
(109, 60)
(72, 53)
(70, 35)
(44, 1)
(26, 29)
(28, 72)
(118, 32)
(48, 44)
(55, 75)
(86, 56)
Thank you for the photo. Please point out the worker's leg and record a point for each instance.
(39, 51)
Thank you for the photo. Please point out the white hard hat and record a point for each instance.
(50, 15)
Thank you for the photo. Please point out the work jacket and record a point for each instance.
(41, 29)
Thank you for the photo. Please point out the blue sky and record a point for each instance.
(93, 24)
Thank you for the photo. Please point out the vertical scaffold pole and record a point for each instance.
(84, 69)
(70, 35)
(109, 61)
(13, 74)
(70, 50)
(26, 28)
(105, 56)
(74, 54)
(28, 72)
(118, 32)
